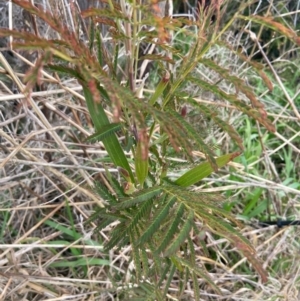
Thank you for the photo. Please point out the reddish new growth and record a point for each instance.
(144, 141)
(94, 90)
(166, 77)
(183, 111)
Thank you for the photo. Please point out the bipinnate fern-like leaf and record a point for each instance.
(195, 286)
(99, 14)
(271, 23)
(139, 197)
(106, 195)
(196, 138)
(192, 260)
(104, 219)
(182, 235)
(156, 221)
(145, 263)
(161, 267)
(172, 229)
(259, 67)
(163, 219)
(118, 189)
(198, 271)
(200, 202)
(139, 215)
(248, 251)
(239, 84)
(257, 114)
(223, 125)
(118, 237)
(177, 134)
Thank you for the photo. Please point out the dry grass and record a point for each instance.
(47, 172)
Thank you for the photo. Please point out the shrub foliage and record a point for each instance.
(156, 215)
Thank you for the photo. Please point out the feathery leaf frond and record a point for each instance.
(157, 219)
(170, 232)
(198, 271)
(139, 197)
(182, 235)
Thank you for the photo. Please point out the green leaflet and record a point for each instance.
(99, 48)
(137, 259)
(196, 286)
(203, 170)
(169, 279)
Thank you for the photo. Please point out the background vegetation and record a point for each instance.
(113, 152)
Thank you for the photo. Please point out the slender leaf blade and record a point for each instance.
(203, 170)
(111, 142)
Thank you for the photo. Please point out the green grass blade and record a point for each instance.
(203, 170)
(80, 262)
(111, 142)
(158, 92)
(75, 235)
